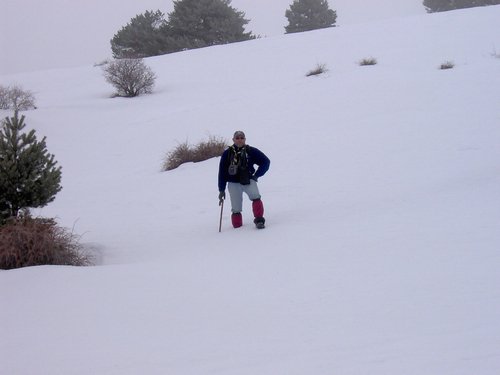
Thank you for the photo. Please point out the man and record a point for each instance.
(237, 170)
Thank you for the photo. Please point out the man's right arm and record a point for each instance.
(222, 172)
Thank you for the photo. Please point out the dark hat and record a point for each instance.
(239, 133)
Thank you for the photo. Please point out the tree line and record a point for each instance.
(433, 6)
(203, 23)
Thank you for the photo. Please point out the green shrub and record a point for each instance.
(29, 175)
(204, 23)
(444, 5)
(306, 15)
(186, 153)
(191, 24)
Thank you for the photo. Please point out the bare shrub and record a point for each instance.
(320, 69)
(179, 155)
(185, 153)
(130, 77)
(16, 98)
(447, 65)
(4, 101)
(212, 148)
(30, 241)
(368, 61)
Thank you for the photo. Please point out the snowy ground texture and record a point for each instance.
(381, 254)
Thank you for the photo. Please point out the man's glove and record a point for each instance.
(222, 195)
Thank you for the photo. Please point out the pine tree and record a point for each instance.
(305, 15)
(201, 23)
(144, 36)
(29, 177)
(444, 5)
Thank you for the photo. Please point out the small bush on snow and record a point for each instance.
(185, 153)
(447, 65)
(16, 98)
(320, 69)
(30, 241)
(130, 77)
(368, 61)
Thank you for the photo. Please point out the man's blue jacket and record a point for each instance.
(247, 158)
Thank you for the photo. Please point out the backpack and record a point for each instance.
(238, 164)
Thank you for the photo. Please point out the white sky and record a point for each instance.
(46, 34)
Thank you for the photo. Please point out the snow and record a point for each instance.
(380, 254)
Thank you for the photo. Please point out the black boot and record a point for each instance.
(259, 222)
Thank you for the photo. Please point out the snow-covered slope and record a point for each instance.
(381, 252)
(57, 34)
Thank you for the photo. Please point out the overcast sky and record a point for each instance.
(44, 34)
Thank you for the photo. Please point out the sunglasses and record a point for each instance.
(239, 137)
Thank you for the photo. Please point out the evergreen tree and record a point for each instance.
(444, 5)
(28, 174)
(143, 36)
(305, 15)
(201, 23)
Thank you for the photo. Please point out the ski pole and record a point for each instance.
(221, 204)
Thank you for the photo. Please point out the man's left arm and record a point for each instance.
(263, 163)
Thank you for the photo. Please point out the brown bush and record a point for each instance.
(185, 153)
(37, 241)
(130, 77)
(212, 148)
